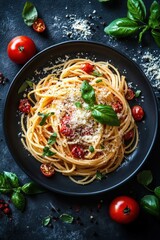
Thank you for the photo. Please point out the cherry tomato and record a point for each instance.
(77, 151)
(24, 106)
(137, 112)
(47, 169)
(39, 25)
(129, 135)
(130, 94)
(124, 209)
(117, 106)
(20, 49)
(66, 131)
(87, 67)
(65, 127)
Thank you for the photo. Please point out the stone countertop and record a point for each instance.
(91, 218)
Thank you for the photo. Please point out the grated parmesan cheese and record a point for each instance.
(77, 28)
(149, 62)
(151, 66)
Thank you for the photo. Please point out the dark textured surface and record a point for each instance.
(90, 221)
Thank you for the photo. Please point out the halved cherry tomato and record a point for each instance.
(87, 67)
(24, 106)
(66, 131)
(77, 151)
(130, 94)
(65, 127)
(39, 25)
(20, 49)
(47, 169)
(117, 106)
(129, 135)
(124, 209)
(137, 112)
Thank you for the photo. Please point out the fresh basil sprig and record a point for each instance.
(102, 113)
(151, 202)
(64, 217)
(29, 13)
(9, 184)
(137, 22)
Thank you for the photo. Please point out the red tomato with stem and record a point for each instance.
(87, 67)
(124, 209)
(20, 49)
(137, 112)
(39, 25)
(47, 169)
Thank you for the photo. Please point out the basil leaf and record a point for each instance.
(88, 93)
(52, 139)
(29, 13)
(145, 177)
(122, 27)
(5, 184)
(30, 83)
(105, 115)
(24, 86)
(66, 218)
(32, 188)
(46, 221)
(44, 117)
(151, 204)
(47, 152)
(156, 36)
(129, 15)
(18, 200)
(157, 191)
(137, 10)
(154, 18)
(12, 177)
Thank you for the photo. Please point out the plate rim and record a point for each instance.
(70, 193)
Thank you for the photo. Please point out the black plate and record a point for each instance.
(147, 128)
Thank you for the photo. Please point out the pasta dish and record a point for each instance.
(79, 119)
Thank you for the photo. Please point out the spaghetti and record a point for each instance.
(61, 128)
